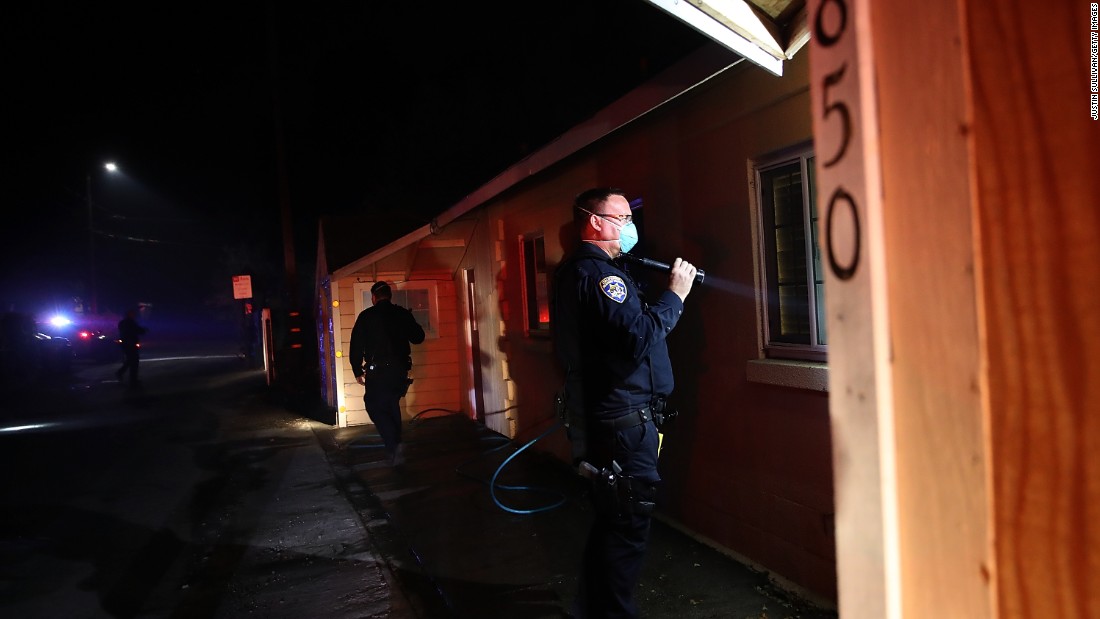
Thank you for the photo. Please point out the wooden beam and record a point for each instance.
(1037, 195)
(796, 34)
(940, 452)
(413, 251)
(850, 207)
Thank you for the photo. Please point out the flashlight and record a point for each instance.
(660, 266)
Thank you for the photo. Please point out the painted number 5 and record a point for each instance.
(840, 108)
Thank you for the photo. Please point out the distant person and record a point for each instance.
(380, 360)
(129, 337)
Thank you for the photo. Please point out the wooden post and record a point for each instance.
(860, 402)
(940, 450)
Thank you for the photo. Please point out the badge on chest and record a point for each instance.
(614, 287)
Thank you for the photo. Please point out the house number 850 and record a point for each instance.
(839, 109)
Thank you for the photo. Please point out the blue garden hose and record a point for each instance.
(493, 485)
(493, 482)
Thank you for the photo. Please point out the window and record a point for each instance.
(794, 301)
(416, 300)
(536, 297)
(419, 297)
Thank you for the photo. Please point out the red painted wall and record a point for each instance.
(747, 466)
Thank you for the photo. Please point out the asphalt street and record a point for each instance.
(196, 495)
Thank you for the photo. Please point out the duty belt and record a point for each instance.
(386, 362)
(629, 420)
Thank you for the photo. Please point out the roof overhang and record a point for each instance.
(744, 28)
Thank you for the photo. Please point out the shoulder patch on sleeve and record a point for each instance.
(614, 287)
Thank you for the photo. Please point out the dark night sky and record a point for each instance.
(383, 105)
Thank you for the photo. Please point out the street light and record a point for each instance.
(111, 168)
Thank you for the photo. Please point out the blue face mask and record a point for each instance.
(628, 233)
(628, 237)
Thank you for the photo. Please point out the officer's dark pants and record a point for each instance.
(382, 397)
(616, 545)
(130, 358)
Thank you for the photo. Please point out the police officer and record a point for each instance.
(380, 360)
(129, 338)
(611, 344)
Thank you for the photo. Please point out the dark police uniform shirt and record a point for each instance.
(610, 341)
(381, 335)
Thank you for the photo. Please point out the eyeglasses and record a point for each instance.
(623, 219)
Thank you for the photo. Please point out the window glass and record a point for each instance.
(819, 277)
(416, 301)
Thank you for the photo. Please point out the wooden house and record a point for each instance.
(885, 392)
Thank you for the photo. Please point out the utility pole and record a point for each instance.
(93, 306)
(91, 248)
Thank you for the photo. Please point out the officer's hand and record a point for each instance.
(681, 277)
(359, 379)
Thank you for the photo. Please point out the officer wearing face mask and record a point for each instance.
(610, 341)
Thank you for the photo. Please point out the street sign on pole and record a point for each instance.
(242, 286)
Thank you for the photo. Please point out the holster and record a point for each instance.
(662, 413)
(618, 495)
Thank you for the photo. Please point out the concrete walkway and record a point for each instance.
(457, 549)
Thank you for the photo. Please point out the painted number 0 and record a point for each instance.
(840, 197)
(842, 271)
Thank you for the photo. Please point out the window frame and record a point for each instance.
(768, 259)
(529, 280)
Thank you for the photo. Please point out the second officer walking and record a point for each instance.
(381, 360)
